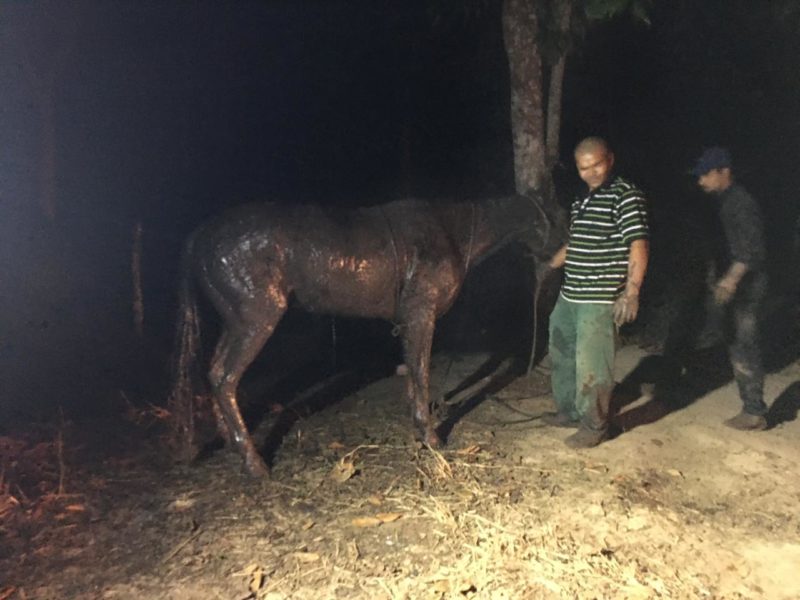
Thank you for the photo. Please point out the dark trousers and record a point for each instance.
(743, 348)
(737, 322)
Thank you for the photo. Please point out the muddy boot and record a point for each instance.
(747, 422)
(586, 437)
(560, 419)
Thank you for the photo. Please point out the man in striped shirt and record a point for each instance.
(604, 265)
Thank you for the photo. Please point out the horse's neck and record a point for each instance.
(501, 222)
(470, 241)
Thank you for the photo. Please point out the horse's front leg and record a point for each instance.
(417, 341)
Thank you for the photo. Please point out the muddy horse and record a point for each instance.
(404, 261)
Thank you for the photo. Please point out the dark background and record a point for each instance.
(169, 112)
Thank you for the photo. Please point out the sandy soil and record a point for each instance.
(675, 506)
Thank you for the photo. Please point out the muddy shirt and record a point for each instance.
(743, 226)
(603, 224)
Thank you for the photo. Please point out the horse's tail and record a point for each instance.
(181, 402)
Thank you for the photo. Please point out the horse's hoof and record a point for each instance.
(433, 440)
(183, 450)
(256, 468)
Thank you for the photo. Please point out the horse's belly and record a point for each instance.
(349, 291)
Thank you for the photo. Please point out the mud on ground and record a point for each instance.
(676, 506)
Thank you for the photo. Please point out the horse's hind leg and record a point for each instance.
(243, 341)
(215, 374)
(417, 341)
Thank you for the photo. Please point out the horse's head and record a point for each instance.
(543, 224)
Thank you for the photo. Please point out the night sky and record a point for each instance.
(167, 112)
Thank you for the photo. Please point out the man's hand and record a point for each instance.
(725, 288)
(724, 291)
(626, 307)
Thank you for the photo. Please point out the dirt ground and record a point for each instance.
(675, 506)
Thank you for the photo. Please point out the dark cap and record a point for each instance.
(715, 157)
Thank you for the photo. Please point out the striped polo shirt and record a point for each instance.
(602, 226)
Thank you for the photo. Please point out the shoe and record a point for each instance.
(747, 422)
(559, 419)
(587, 438)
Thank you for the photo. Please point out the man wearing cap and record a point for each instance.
(742, 287)
(604, 265)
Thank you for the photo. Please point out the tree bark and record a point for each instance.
(520, 35)
(555, 90)
(554, 97)
(57, 23)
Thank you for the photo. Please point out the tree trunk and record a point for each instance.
(554, 97)
(555, 91)
(43, 35)
(520, 34)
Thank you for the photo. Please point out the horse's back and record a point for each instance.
(333, 260)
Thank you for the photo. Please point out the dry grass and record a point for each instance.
(356, 509)
(463, 534)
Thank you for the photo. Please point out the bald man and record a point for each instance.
(604, 264)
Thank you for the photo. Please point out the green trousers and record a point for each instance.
(582, 352)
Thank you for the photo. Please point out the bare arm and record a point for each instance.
(726, 286)
(734, 274)
(559, 258)
(626, 308)
(637, 266)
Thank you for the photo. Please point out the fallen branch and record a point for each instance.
(182, 545)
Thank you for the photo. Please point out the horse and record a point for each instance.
(404, 261)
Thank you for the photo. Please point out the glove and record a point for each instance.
(723, 292)
(626, 307)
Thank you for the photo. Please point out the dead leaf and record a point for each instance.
(255, 574)
(342, 471)
(388, 517)
(7, 592)
(256, 580)
(674, 473)
(366, 521)
(306, 556)
(375, 500)
(334, 445)
(182, 504)
(8, 503)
